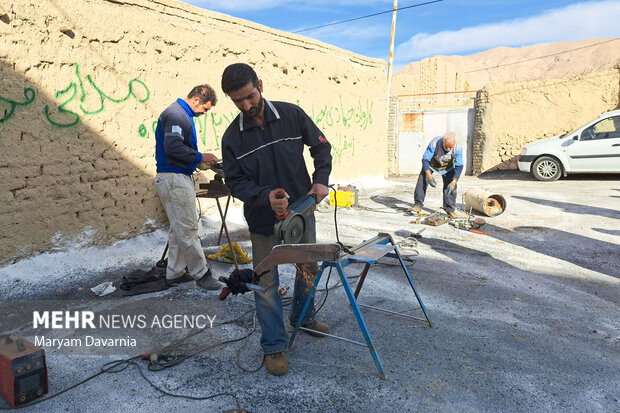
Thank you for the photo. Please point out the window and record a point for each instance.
(605, 129)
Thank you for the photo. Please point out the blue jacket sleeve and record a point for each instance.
(428, 155)
(240, 186)
(458, 162)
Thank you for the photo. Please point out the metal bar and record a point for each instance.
(219, 238)
(336, 337)
(361, 322)
(391, 312)
(295, 253)
(361, 281)
(230, 245)
(415, 291)
(439, 93)
(435, 99)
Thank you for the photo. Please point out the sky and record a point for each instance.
(448, 27)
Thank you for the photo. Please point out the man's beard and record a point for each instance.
(254, 110)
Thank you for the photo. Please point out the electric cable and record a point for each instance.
(542, 57)
(367, 16)
(115, 367)
(344, 247)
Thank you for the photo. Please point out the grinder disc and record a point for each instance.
(294, 230)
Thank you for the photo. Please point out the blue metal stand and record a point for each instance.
(368, 253)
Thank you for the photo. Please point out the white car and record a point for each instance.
(594, 147)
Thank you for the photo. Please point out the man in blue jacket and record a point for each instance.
(177, 156)
(443, 155)
(262, 150)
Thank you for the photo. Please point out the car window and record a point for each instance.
(605, 129)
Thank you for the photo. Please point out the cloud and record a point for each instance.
(343, 32)
(575, 22)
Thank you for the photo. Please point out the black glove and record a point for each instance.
(235, 283)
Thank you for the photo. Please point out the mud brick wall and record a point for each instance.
(83, 82)
(509, 116)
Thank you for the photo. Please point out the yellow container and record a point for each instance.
(344, 198)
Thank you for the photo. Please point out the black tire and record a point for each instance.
(547, 168)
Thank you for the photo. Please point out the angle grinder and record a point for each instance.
(291, 225)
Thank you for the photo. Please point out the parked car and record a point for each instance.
(594, 147)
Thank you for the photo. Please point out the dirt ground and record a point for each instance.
(525, 317)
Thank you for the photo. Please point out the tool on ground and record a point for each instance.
(485, 202)
(291, 225)
(23, 372)
(436, 218)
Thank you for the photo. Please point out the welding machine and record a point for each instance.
(23, 372)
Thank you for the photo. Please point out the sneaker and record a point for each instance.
(319, 328)
(185, 278)
(276, 363)
(208, 282)
(453, 215)
(416, 209)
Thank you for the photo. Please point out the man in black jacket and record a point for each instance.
(177, 156)
(262, 150)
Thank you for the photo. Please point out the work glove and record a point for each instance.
(452, 186)
(235, 283)
(432, 182)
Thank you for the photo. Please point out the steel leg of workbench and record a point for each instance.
(219, 238)
(307, 304)
(354, 306)
(230, 244)
(360, 321)
(415, 291)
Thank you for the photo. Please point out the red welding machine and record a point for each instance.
(23, 372)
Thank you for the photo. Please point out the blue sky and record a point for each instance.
(449, 27)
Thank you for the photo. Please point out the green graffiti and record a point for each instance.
(61, 108)
(29, 96)
(329, 116)
(210, 121)
(142, 131)
(83, 95)
(340, 145)
(103, 96)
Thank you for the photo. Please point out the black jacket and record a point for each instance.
(258, 159)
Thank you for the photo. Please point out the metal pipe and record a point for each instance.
(485, 202)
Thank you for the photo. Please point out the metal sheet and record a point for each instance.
(373, 252)
(296, 253)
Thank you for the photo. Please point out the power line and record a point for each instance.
(367, 16)
(542, 57)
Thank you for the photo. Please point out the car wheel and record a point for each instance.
(547, 168)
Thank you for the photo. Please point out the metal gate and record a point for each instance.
(417, 127)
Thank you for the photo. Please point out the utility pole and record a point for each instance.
(391, 58)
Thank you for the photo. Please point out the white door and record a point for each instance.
(598, 147)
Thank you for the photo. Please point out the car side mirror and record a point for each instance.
(575, 138)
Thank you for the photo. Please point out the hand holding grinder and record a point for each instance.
(290, 228)
(291, 225)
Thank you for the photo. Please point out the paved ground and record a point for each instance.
(525, 318)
